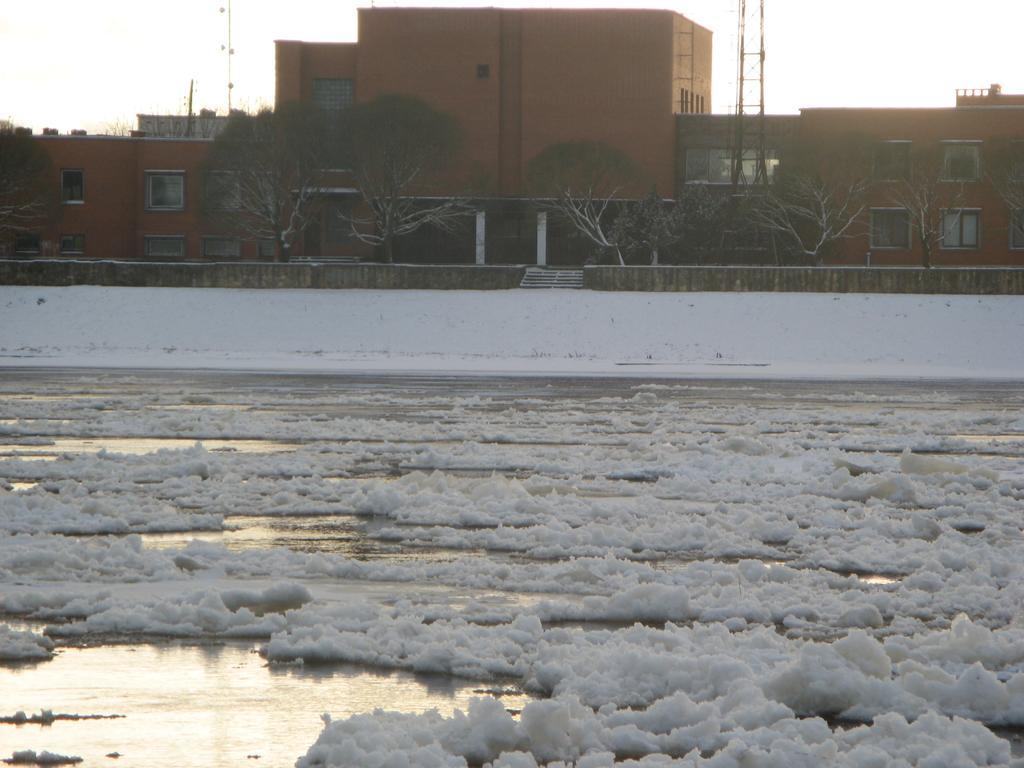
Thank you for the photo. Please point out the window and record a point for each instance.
(164, 247)
(267, 249)
(1017, 229)
(961, 161)
(72, 244)
(892, 160)
(960, 228)
(332, 93)
(690, 102)
(222, 191)
(27, 242)
(165, 190)
(483, 71)
(890, 228)
(220, 248)
(1017, 161)
(72, 185)
(714, 166)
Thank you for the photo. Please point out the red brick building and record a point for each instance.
(518, 81)
(128, 198)
(963, 154)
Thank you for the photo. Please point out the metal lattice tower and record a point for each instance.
(748, 135)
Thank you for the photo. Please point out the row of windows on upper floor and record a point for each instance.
(165, 190)
(890, 228)
(961, 161)
(153, 246)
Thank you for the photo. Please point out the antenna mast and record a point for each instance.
(750, 95)
(230, 52)
(191, 115)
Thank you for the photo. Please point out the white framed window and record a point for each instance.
(714, 166)
(163, 246)
(961, 228)
(890, 228)
(72, 244)
(221, 248)
(165, 190)
(1017, 229)
(961, 160)
(892, 160)
(72, 186)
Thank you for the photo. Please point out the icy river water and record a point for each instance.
(218, 559)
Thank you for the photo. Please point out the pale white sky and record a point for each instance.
(76, 64)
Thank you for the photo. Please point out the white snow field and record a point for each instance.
(632, 572)
(555, 331)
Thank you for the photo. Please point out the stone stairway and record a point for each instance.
(539, 277)
(325, 260)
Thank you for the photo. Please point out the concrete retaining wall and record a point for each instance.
(806, 279)
(449, 277)
(255, 275)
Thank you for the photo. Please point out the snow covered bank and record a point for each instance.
(582, 332)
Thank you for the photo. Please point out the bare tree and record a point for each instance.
(932, 191)
(653, 225)
(396, 143)
(1005, 171)
(264, 175)
(27, 192)
(585, 182)
(121, 126)
(817, 198)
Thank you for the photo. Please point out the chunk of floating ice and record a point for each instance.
(861, 616)
(23, 646)
(31, 757)
(913, 464)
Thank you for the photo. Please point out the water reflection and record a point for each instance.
(208, 706)
(138, 446)
(346, 535)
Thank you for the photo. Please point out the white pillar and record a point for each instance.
(481, 237)
(542, 238)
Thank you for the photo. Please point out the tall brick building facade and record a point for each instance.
(520, 80)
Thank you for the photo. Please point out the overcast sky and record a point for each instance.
(77, 64)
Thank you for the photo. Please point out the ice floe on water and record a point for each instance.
(681, 574)
(31, 757)
(23, 645)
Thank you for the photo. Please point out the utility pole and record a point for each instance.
(750, 95)
(230, 53)
(190, 125)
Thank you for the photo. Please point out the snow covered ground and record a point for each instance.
(674, 573)
(579, 332)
